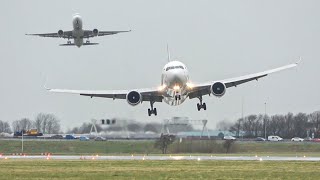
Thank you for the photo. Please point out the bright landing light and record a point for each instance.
(176, 87)
(190, 85)
(162, 87)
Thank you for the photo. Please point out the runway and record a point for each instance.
(168, 158)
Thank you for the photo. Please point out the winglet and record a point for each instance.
(300, 59)
(45, 85)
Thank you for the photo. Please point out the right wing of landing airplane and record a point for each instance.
(95, 32)
(218, 88)
(59, 34)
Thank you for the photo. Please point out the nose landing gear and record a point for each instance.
(201, 105)
(152, 110)
(177, 97)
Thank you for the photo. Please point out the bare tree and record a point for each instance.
(22, 124)
(47, 123)
(4, 127)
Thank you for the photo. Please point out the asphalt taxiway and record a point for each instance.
(168, 158)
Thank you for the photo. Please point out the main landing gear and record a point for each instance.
(68, 42)
(201, 105)
(87, 42)
(152, 110)
(177, 97)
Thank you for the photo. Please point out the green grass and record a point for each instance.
(134, 169)
(77, 147)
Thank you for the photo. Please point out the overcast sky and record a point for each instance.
(215, 39)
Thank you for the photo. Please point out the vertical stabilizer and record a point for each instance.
(168, 52)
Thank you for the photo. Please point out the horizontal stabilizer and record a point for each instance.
(84, 44)
(72, 44)
(90, 44)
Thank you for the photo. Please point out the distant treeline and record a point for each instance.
(286, 126)
(50, 124)
(45, 123)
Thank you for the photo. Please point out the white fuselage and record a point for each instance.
(77, 32)
(174, 81)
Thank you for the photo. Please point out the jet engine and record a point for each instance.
(60, 33)
(134, 98)
(218, 89)
(95, 32)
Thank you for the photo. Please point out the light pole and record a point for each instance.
(22, 141)
(265, 117)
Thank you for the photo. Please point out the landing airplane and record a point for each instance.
(175, 88)
(78, 34)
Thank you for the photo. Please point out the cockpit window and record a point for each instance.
(174, 67)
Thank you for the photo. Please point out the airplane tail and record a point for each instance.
(168, 52)
(84, 44)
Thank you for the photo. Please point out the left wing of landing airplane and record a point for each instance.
(156, 95)
(146, 94)
(95, 32)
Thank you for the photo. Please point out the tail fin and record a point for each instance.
(168, 52)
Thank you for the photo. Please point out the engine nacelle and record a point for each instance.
(95, 32)
(60, 33)
(218, 89)
(134, 98)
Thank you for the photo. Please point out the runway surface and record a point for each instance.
(168, 158)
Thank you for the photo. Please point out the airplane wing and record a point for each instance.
(65, 35)
(90, 33)
(147, 94)
(205, 88)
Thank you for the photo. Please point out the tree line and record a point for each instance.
(45, 123)
(285, 125)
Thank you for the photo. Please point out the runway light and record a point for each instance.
(260, 159)
(93, 158)
(143, 159)
(6, 158)
(97, 155)
(304, 156)
(199, 159)
(48, 158)
(256, 156)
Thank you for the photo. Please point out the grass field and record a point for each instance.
(147, 147)
(95, 169)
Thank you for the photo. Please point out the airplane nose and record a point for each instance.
(176, 78)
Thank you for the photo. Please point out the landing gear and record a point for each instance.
(177, 97)
(87, 42)
(68, 42)
(201, 105)
(152, 110)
